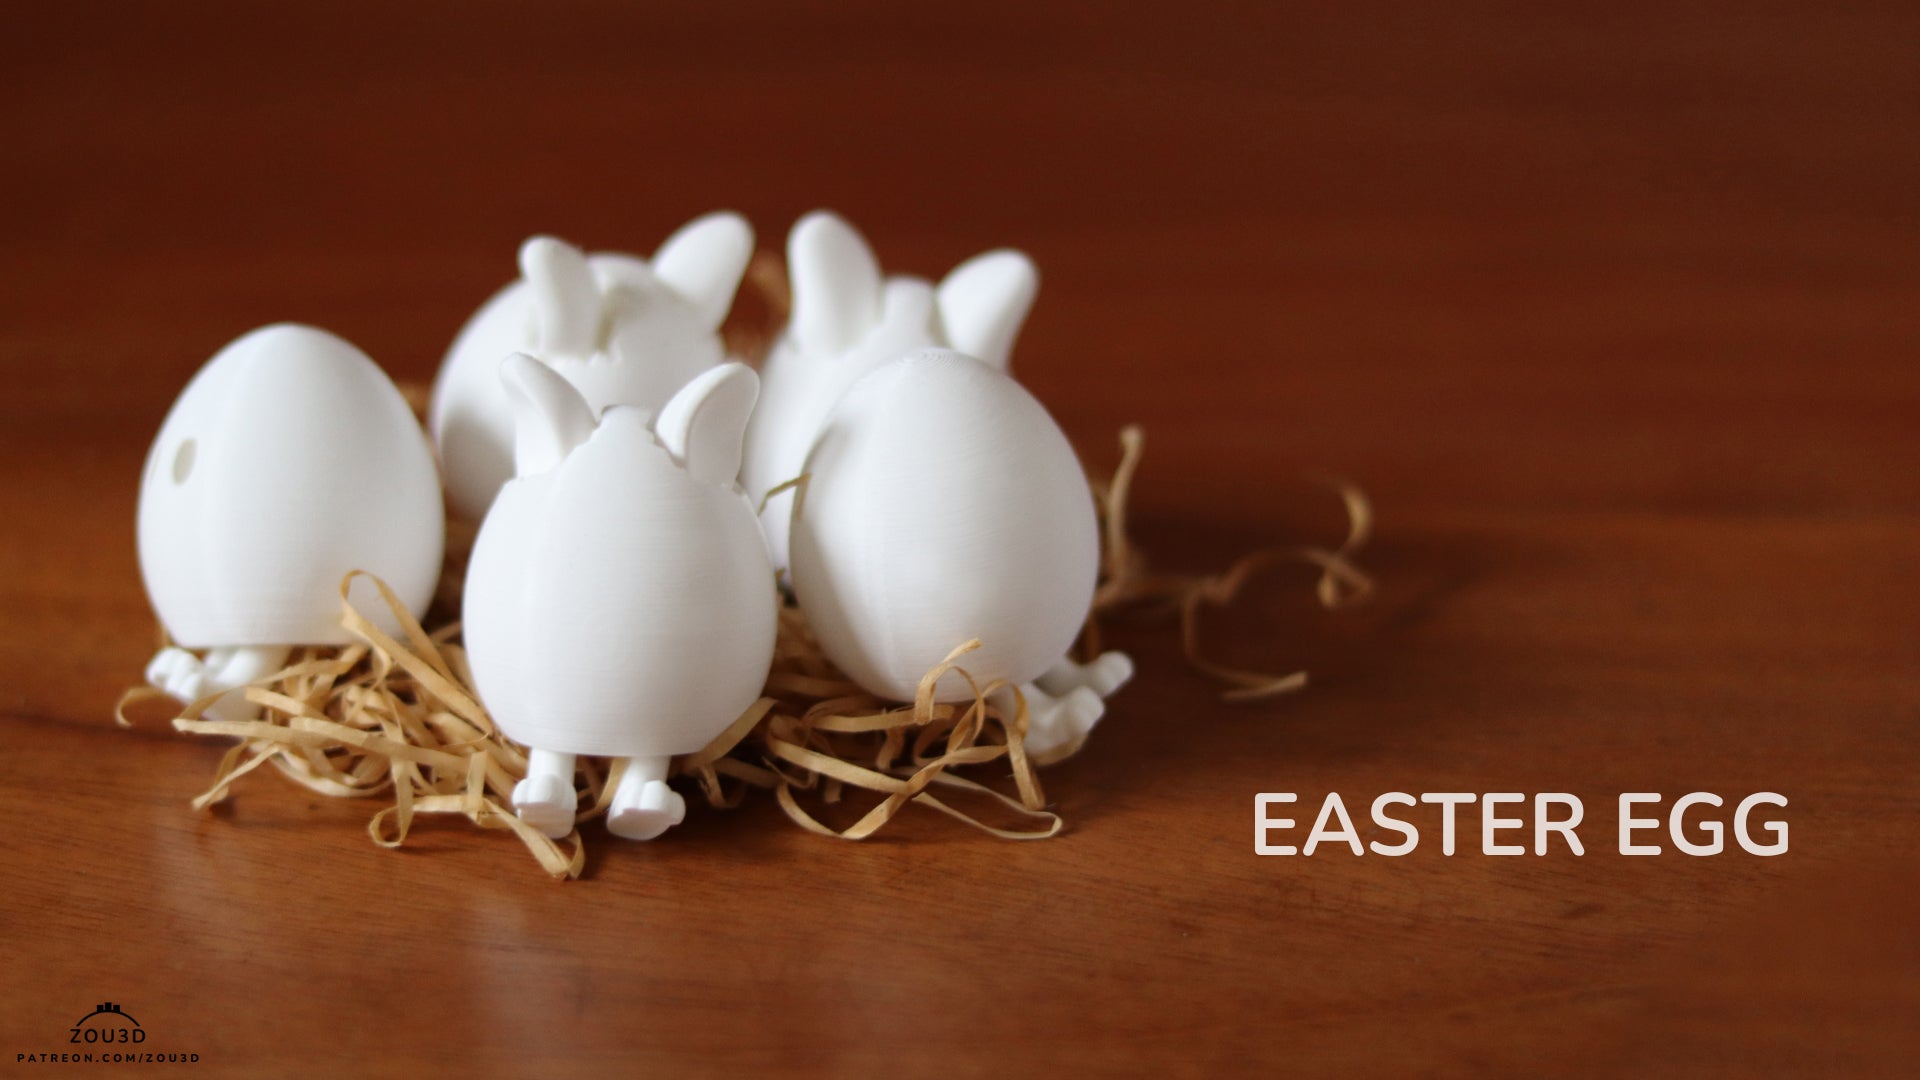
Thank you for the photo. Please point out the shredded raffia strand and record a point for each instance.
(396, 716)
(1126, 581)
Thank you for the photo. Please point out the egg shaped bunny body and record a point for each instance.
(288, 461)
(944, 504)
(847, 321)
(616, 606)
(623, 330)
(619, 601)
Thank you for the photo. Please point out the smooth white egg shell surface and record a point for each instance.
(617, 606)
(289, 460)
(944, 504)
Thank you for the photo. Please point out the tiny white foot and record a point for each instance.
(177, 672)
(189, 678)
(239, 666)
(1106, 673)
(646, 813)
(547, 803)
(1057, 726)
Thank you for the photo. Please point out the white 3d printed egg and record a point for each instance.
(620, 601)
(944, 504)
(287, 462)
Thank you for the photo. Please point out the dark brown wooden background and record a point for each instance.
(1614, 309)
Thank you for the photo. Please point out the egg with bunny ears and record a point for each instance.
(619, 601)
(848, 320)
(288, 461)
(623, 330)
(943, 504)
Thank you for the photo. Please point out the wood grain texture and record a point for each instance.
(1610, 307)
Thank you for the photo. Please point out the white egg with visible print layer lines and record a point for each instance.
(944, 504)
(620, 602)
(623, 330)
(288, 461)
(847, 321)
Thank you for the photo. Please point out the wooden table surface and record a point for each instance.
(1614, 312)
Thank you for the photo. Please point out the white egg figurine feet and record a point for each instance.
(620, 602)
(623, 330)
(846, 322)
(287, 462)
(187, 677)
(944, 504)
(642, 808)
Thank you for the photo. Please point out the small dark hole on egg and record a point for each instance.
(183, 462)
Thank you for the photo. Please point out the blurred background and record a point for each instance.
(1339, 233)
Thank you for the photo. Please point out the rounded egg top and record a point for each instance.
(944, 504)
(289, 460)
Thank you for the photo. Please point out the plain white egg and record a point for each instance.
(289, 460)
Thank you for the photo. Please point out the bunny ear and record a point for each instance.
(566, 299)
(704, 261)
(836, 283)
(706, 422)
(984, 301)
(550, 417)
